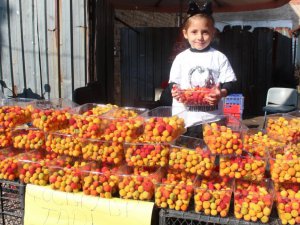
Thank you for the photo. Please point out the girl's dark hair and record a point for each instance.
(187, 21)
(204, 11)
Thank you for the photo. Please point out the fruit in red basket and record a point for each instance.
(196, 161)
(192, 96)
(222, 140)
(163, 129)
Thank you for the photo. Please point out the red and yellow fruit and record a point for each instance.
(221, 139)
(196, 161)
(102, 182)
(284, 129)
(11, 116)
(253, 201)
(285, 165)
(174, 195)
(212, 196)
(28, 139)
(163, 129)
(192, 96)
(64, 144)
(104, 151)
(140, 185)
(143, 154)
(50, 119)
(288, 203)
(243, 167)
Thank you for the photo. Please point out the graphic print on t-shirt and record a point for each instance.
(201, 77)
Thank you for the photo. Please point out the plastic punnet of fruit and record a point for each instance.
(192, 156)
(253, 200)
(285, 164)
(288, 203)
(28, 138)
(86, 120)
(173, 194)
(33, 167)
(65, 175)
(147, 154)
(245, 166)
(111, 152)
(102, 180)
(9, 163)
(212, 195)
(283, 128)
(223, 135)
(52, 115)
(163, 124)
(140, 183)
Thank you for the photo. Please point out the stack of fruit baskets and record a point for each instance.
(13, 112)
(148, 156)
(242, 155)
(284, 129)
(188, 158)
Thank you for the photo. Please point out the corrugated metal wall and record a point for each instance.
(145, 62)
(44, 42)
(261, 59)
(48, 42)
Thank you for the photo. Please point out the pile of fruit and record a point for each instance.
(213, 195)
(253, 201)
(108, 151)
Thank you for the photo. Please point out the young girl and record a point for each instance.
(201, 65)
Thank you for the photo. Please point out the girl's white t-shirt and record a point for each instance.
(203, 69)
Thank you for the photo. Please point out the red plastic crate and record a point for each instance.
(231, 109)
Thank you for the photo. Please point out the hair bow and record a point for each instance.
(194, 8)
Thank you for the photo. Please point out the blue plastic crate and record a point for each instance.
(235, 99)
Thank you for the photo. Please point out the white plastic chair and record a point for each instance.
(280, 100)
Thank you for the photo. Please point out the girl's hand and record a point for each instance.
(214, 97)
(175, 92)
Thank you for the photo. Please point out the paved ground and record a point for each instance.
(254, 122)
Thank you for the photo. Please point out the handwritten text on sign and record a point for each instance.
(44, 206)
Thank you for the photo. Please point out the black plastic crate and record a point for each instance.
(173, 217)
(12, 199)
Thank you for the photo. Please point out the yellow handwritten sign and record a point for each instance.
(48, 207)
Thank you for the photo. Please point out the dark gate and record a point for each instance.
(261, 59)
